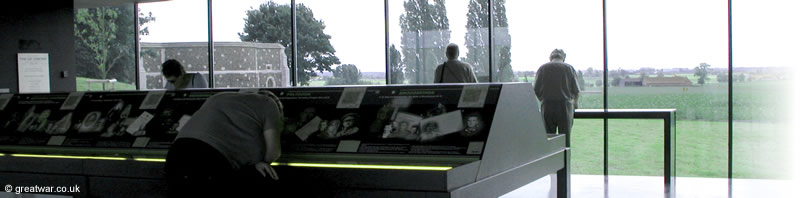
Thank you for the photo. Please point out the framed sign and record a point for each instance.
(33, 72)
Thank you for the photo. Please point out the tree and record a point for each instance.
(477, 38)
(271, 23)
(660, 73)
(105, 42)
(701, 72)
(346, 74)
(425, 33)
(722, 77)
(740, 77)
(581, 81)
(623, 73)
(503, 70)
(396, 66)
(615, 81)
(590, 71)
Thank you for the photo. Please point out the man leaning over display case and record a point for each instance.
(230, 140)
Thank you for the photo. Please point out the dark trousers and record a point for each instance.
(558, 115)
(196, 169)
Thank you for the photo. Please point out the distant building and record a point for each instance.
(236, 64)
(675, 81)
(630, 82)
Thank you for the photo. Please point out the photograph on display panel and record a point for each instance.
(32, 118)
(107, 120)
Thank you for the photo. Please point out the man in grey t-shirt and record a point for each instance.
(230, 138)
(454, 71)
(556, 87)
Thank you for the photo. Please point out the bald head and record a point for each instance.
(451, 51)
(558, 54)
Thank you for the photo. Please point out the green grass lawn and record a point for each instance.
(636, 148)
(81, 85)
(762, 100)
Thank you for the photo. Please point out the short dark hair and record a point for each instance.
(451, 51)
(172, 67)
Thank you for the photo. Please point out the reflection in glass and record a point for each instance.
(764, 47)
(419, 30)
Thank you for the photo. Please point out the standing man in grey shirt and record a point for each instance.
(556, 87)
(453, 70)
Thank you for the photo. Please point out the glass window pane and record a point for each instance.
(764, 47)
(660, 59)
(252, 43)
(420, 30)
(586, 158)
(177, 30)
(635, 157)
(347, 45)
(104, 48)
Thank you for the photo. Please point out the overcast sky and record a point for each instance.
(658, 34)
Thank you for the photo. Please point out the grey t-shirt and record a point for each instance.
(234, 124)
(455, 71)
(555, 81)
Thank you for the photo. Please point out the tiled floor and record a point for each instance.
(591, 186)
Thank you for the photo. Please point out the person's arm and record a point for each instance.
(576, 89)
(538, 87)
(471, 74)
(272, 140)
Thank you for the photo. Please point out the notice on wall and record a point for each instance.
(33, 72)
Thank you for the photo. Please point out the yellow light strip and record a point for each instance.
(68, 157)
(364, 166)
(2, 154)
(165, 160)
(150, 159)
(317, 165)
